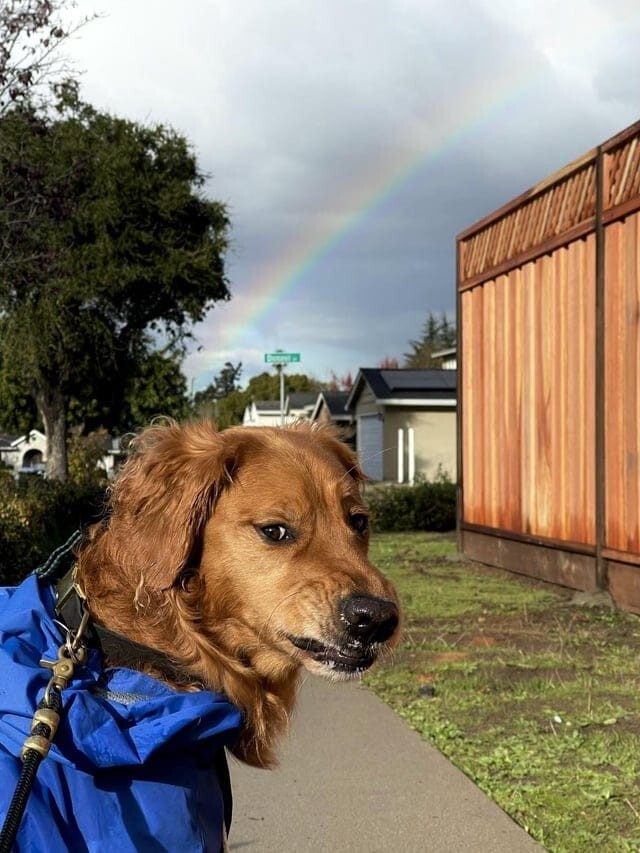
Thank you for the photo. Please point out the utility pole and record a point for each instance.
(280, 369)
(279, 359)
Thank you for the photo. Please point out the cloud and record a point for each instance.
(356, 139)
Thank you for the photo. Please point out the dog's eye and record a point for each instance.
(359, 522)
(276, 533)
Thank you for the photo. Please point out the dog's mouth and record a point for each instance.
(352, 659)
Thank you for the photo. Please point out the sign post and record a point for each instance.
(279, 359)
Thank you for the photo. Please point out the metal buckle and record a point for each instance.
(67, 585)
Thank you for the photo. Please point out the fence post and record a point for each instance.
(601, 564)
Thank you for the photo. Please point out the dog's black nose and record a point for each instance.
(369, 620)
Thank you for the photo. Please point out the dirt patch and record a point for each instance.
(426, 677)
(449, 657)
(516, 674)
(482, 641)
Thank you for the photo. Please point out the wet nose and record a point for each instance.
(368, 619)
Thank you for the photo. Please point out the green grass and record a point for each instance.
(534, 698)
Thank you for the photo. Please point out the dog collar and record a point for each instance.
(117, 650)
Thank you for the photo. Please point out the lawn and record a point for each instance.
(532, 695)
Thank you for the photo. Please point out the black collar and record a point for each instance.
(115, 648)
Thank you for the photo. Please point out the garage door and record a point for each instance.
(370, 436)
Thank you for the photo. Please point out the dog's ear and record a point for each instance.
(164, 496)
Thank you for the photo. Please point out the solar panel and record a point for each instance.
(420, 380)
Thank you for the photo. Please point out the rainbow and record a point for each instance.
(373, 187)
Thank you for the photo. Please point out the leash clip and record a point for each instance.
(63, 667)
(46, 718)
(71, 653)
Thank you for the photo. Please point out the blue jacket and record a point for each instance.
(131, 764)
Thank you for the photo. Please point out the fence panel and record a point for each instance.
(549, 363)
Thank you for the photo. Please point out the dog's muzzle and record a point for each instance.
(369, 620)
(366, 623)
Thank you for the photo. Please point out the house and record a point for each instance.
(300, 405)
(405, 423)
(297, 406)
(27, 454)
(261, 413)
(330, 407)
(447, 358)
(114, 456)
(24, 454)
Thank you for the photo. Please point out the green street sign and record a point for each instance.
(281, 357)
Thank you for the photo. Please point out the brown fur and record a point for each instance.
(180, 564)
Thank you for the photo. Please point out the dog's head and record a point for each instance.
(267, 532)
(289, 535)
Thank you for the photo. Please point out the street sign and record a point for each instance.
(281, 357)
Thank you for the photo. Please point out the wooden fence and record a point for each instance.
(548, 291)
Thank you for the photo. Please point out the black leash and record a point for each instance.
(47, 716)
(30, 763)
(44, 725)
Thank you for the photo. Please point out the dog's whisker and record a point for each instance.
(364, 459)
(270, 616)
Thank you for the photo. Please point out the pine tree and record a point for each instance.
(436, 335)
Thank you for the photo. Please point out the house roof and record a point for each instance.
(300, 399)
(335, 401)
(267, 405)
(443, 353)
(11, 442)
(404, 387)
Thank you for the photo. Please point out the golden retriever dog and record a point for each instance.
(242, 556)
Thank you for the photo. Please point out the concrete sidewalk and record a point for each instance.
(354, 777)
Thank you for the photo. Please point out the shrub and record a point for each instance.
(424, 506)
(36, 516)
(85, 456)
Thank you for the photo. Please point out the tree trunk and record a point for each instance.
(52, 408)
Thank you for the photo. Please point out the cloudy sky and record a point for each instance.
(353, 139)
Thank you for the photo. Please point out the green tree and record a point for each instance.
(266, 386)
(229, 408)
(228, 411)
(227, 380)
(159, 387)
(85, 455)
(222, 400)
(18, 412)
(223, 384)
(108, 243)
(436, 334)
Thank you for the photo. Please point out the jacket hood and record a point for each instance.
(114, 717)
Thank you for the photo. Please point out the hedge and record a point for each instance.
(36, 516)
(424, 506)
